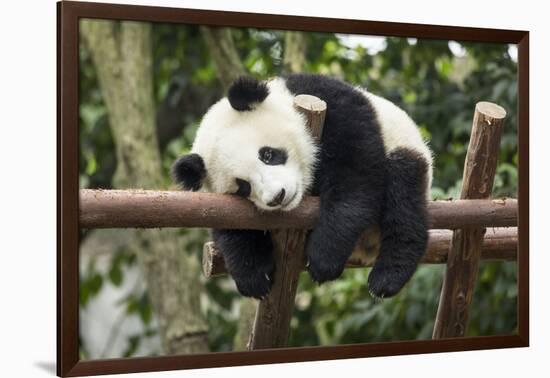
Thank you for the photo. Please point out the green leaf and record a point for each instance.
(115, 275)
(132, 305)
(145, 309)
(133, 344)
(146, 313)
(95, 284)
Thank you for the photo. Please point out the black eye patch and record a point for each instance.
(244, 188)
(272, 156)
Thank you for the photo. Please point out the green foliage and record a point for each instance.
(92, 279)
(221, 313)
(136, 302)
(437, 88)
(344, 312)
(494, 305)
(90, 284)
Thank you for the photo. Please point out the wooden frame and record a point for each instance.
(69, 13)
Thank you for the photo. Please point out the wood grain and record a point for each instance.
(466, 245)
(154, 209)
(498, 244)
(272, 322)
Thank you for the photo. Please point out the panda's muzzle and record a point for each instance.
(278, 199)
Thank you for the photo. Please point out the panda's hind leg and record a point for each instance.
(404, 223)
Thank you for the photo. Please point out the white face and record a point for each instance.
(265, 154)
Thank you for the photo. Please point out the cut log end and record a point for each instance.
(491, 110)
(309, 103)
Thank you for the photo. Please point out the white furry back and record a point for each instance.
(399, 130)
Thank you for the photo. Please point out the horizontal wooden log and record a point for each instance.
(152, 209)
(498, 244)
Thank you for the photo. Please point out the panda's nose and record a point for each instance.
(278, 199)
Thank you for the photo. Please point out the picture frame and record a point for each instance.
(69, 210)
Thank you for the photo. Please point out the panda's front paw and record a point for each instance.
(255, 283)
(323, 263)
(386, 280)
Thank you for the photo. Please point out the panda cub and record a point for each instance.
(371, 167)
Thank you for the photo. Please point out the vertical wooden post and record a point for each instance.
(272, 322)
(465, 251)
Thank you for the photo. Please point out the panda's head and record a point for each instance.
(252, 143)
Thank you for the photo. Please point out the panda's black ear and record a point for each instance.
(189, 171)
(246, 92)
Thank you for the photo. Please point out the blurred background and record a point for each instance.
(143, 90)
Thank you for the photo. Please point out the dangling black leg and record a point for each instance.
(248, 256)
(344, 215)
(404, 223)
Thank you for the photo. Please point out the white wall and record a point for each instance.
(27, 188)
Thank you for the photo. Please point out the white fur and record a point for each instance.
(399, 130)
(229, 141)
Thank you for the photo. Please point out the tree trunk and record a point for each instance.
(224, 54)
(122, 56)
(295, 51)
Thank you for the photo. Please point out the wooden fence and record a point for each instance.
(463, 231)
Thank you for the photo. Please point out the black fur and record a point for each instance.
(248, 258)
(273, 156)
(245, 92)
(358, 187)
(244, 188)
(404, 223)
(189, 171)
(350, 178)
